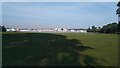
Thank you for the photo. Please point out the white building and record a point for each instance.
(78, 30)
(11, 29)
(61, 30)
(8, 29)
(72, 31)
(24, 30)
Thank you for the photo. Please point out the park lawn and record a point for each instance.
(59, 49)
(105, 46)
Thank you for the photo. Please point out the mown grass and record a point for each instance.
(59, 49)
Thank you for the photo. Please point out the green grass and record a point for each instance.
(59, 49)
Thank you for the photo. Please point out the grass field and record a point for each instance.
(59, 49)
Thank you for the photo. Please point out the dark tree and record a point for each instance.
(118, 4)
(98, 29)
(94, 28)
(118, 12)
(3, 29)
(88, 30)
(61, 28)
(110, 28)
(0, 28)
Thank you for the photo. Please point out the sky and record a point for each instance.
(60, 0)
(58, 14)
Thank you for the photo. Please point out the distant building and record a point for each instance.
(12, 29)
(61, 30)
(8, 29)
(46, 30)
(24, 30)
(78, 30)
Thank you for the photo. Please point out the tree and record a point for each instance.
(94, 28)
(0, 28)
(118, 4)
(118, 12)
(3, 29)
(98, 29)
(110, 28)
(88, 30)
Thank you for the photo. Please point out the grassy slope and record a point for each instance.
(106, 46)
(60, 49)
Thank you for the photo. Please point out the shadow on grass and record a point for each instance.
(43, 49)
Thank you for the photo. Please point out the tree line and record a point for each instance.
(109, 28)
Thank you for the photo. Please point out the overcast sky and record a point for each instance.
(58, 14)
